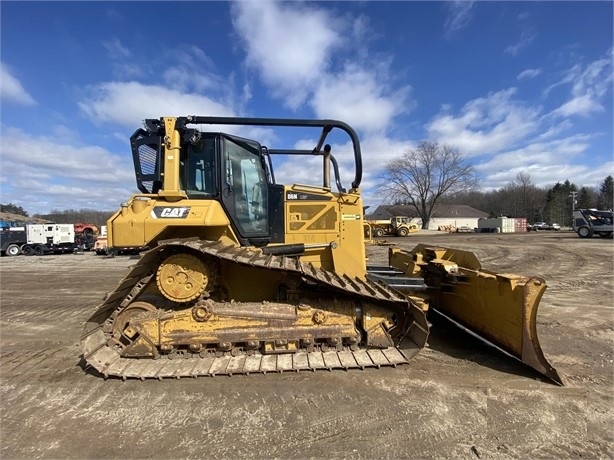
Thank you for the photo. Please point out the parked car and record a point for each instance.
(464, 229)
(540, 226)
(544, 226)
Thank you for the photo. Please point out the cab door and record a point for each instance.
(244, 186)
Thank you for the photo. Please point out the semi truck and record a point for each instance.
(39, 239)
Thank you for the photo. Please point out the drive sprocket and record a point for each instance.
(184, 277)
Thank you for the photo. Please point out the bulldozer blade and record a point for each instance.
(498, 308)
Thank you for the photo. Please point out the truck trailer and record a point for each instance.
(39, 239)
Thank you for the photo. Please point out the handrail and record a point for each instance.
(326, 124)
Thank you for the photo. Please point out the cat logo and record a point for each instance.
(175, 212)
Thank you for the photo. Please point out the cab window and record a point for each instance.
(199, 169)
(245, 186)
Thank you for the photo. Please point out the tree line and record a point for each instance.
(68, 216)
(436, 173)
(522, 198)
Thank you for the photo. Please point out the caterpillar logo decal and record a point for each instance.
(170, 212)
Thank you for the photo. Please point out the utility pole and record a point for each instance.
(573, 206)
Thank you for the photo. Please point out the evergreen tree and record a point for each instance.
(606, 193)
(586, 198)
(13, 209)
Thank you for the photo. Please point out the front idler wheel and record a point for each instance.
(121, 325)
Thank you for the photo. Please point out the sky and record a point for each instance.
(514, 86)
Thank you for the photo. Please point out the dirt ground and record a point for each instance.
(457, 398)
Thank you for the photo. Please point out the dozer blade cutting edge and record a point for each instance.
(498, 308)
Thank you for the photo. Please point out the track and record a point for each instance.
(100, 353)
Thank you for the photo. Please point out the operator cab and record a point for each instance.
(213, 166)
(175, 162)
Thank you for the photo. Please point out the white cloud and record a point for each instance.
(538, 155)
(115, 49)
(289, 44)
(546, 175)
(458, 16)
(295, 49)
(11, 88)
(357, 97)
(523, 15)
(580, 105)
(112, 13)
(503, 136)
(554, 130)
(123, 65)
(127, 70)
(46, 155)
(528, 73)
(180, 78)
(589, 85)
(193, 70)
(526, 37)
(46, 173)
(125, 102)
(487, 124)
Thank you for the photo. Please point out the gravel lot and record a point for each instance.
(457, 398)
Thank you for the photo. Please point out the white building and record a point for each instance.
(443, 215)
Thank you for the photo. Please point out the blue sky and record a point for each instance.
(515, 86)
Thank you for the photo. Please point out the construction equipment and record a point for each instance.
(100, 245)
(85, 235)
(588, 222)
(402, 226)
(245, 275)
(86, 229)
(377, 228)
(395, 226)
(39, 239)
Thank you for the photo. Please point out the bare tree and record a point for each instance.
(528, 196)
(420, 177)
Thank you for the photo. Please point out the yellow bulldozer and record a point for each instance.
(244, 275)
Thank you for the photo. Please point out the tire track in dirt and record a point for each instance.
(574, 449)
(45, 316)
(41, 365)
